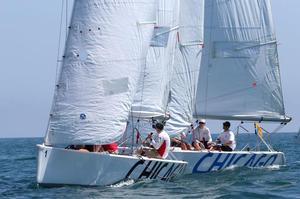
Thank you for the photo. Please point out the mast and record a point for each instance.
(239, 76)
(100, 71)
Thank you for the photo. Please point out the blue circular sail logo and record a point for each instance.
(82, 116)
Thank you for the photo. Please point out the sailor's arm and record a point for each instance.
(195, 134)
(209, 136)
(155, 144)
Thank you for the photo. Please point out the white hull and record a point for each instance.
(62, 166)
(204, 161)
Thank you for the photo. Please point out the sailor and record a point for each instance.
(183, 140)
(81, 148)
(162, 145)
(227, 138)
(202, 137)
(111, 148)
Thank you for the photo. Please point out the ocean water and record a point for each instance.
(18, 177)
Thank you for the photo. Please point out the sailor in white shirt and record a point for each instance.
(201, 135)
(161, 146)
(227, 138)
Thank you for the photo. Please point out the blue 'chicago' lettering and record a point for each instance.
(216, 162)
(251, 160)
(207, 161)
(259, 162)
(195, 169)
(270, 159)
(230, 161)
(219, 164)
(238, 158)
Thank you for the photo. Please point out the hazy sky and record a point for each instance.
(28, 50)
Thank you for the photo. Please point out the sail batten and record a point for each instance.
(239, 76)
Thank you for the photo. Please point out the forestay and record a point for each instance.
(239, 76)
(98, 79)
(186, 66)
(153, 92)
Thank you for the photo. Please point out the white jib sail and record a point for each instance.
(98, 79)
(186, 66)
(153, 92)
(239, 76)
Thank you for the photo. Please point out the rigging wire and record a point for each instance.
(67, 16)
(58, 62)
(64, 17)
(274, 131)
(59, 41)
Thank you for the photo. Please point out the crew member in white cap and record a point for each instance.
(202, 137)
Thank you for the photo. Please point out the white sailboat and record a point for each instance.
(106, 48)
(239, 79)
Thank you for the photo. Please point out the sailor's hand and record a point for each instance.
(149, 136)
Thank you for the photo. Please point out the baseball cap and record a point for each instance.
(202, 121)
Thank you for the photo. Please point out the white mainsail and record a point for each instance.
(186, 66)
(98, 79)
(239, 76)
(153, 92)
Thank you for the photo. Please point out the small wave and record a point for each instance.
(18, 159)
(273, 167)
(123, 183)
(230, 168)
(25, 158)
(270, 167)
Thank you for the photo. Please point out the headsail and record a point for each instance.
(186, 66)
(153, 93)
(239, 76)
(104, 52)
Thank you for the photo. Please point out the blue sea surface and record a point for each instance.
(18, 177)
